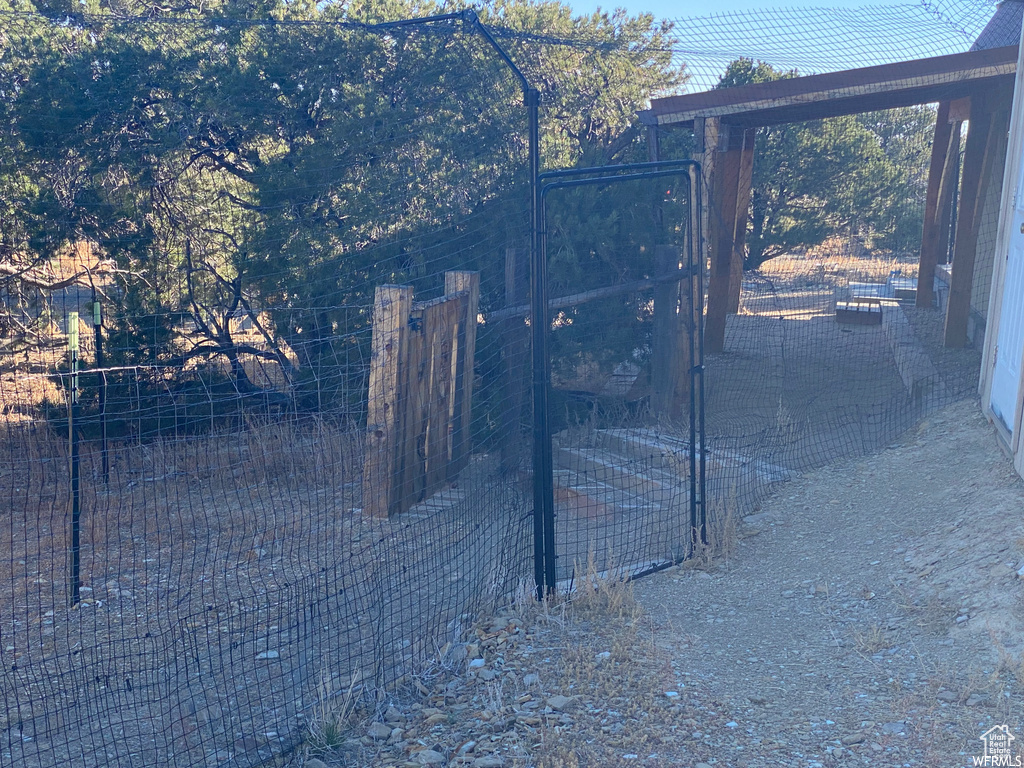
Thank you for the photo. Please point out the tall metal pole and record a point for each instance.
(543, 484)
(698, 473)
(543, 480)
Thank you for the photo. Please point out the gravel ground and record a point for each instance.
(870, 613)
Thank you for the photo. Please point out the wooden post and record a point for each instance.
(669, 351)
(931, 235)
(746, 183)
(514, 353)
(982, 141)
(722, 221)
(948, 193)
(455, 282)
(440, 322)
(391, 307)
(705, 151)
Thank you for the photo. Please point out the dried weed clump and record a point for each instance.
(623, 686)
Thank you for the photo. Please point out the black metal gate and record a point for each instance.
(619, 467)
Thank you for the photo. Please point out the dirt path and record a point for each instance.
(870, 613)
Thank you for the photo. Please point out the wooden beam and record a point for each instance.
(921, 81)
(959, 109)
(931, 230)
(391, 307)
(982, 141)
(705, 151)
(746, 183)
(722, 223)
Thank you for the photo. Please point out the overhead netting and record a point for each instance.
(825, 353)
(824, 39)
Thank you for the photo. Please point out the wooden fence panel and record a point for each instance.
(414, 424)
(440, 322)
(421, 390)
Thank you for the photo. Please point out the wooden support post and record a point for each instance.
(705, 151)
(669, 348)
(931, 235)
(465, 359)
(948, 193)
(722, 221)
(391, 307)
(982, 140)
(746, 183)
(653, 143)
(515, 351)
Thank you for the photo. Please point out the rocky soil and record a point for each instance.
(870, 613)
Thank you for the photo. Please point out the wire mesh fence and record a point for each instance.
(267, 378)
(205, 545)
(829, 39)
(832, 384)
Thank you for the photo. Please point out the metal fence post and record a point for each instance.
(76, 490)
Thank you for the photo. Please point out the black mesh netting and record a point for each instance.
(266, 433)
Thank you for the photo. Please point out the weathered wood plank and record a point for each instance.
(413, 450)
(739, 242)
(722, 221)
(931, 234)
(465, 361)
(948, 193)
(439, 321)
(391, 307)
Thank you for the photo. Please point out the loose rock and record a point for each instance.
(429, 757)
(559, 702)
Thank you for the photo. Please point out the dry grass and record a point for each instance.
(269, 486)
(335, 718)
(839, 261)
(871, 639)
(618, 678)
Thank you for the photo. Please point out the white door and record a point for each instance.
(1010, 342)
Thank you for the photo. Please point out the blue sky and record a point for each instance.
(674, 9)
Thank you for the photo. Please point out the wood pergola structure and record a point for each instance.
(976, 86)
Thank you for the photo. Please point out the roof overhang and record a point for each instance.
(852, 91)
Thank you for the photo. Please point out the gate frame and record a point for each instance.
(545, 551)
